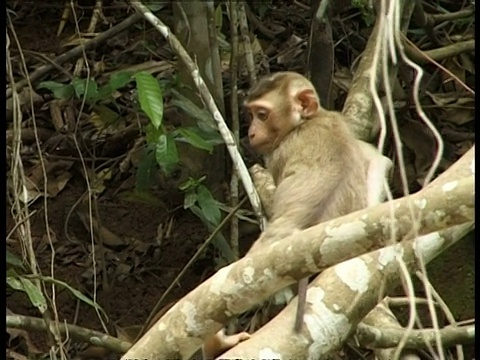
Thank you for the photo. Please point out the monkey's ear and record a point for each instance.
(308, 101)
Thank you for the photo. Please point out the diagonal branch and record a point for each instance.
(234, 289)
(340, 297)
(209, 102)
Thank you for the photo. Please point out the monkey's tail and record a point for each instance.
(302, 299)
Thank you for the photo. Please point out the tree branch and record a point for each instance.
(373, 337)
(446, 202)
(340, 297)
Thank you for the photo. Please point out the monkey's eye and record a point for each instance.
(262, 115)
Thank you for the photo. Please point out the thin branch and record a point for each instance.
(209, 102)
(232, 6)
(190, 262)
(381, 316)
(441, 303)
(381, 337)
(239, 286)
(77, 51)
(340, 297)
(247, 46)
(437, 18)
(79, 333)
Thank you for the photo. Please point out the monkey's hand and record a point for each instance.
(220, 342)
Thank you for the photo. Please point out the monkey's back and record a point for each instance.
(322, 164)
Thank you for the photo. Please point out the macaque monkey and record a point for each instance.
(321, 171)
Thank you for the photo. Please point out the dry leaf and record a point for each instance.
(23, 335)
(101, 233)
(455, 109)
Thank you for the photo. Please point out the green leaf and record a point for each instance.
(152, 134)
(34, 294)
(141, 196)
(24, 284)
(166, 153)
(219, 241)
(116, 81)
(85, 87)
(209, 205)
(190, 199)
(189, 183)
(76, 293)
(15, 261)
(60, 91)
(202, 116)
(211, 136)
(120, 79)
(218, 18)
(13, 280)
(189, 136)
(107, 115)
(155, 6)
(146, 170)
(150, 97)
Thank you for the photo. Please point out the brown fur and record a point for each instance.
(317, 164)
(319, 170)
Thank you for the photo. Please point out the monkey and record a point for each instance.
(320, 169)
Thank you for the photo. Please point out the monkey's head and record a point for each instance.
(277, 105)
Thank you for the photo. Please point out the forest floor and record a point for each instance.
(139, 269)
(152, 242)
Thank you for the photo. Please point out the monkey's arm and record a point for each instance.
(297, 203)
